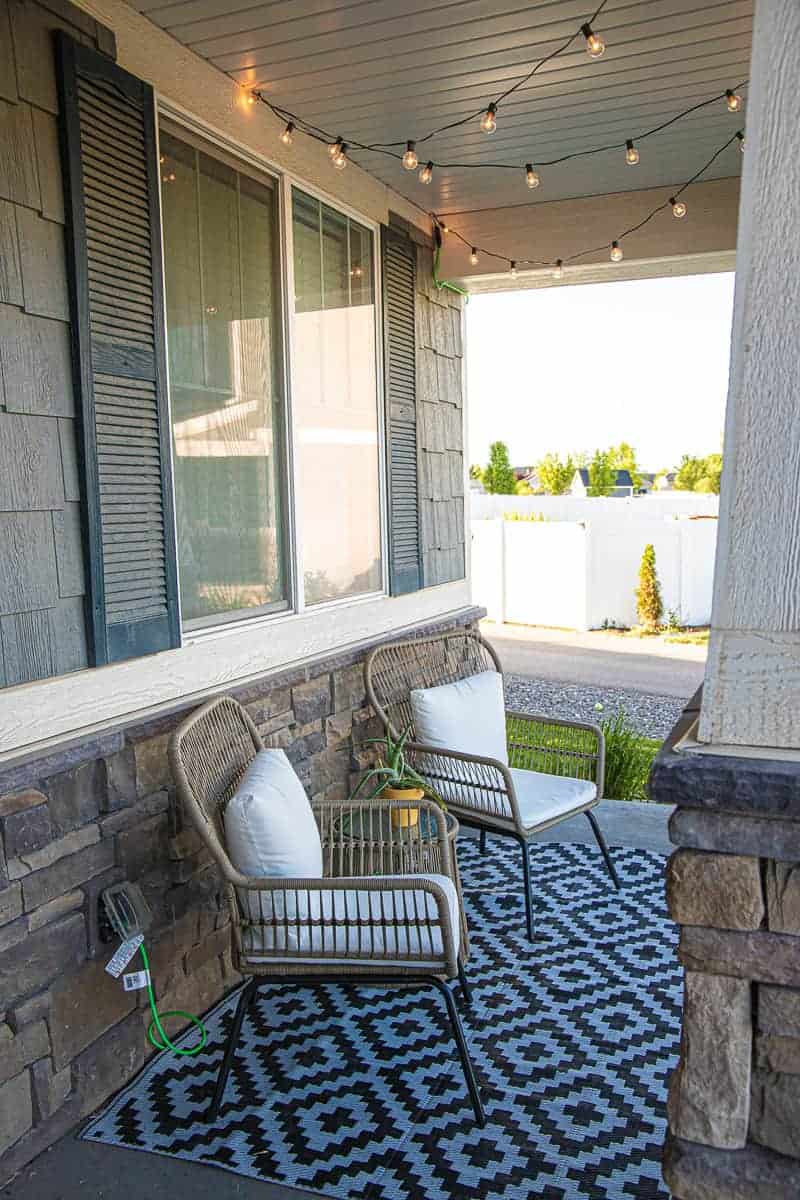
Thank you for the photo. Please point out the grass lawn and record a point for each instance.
(560, 750)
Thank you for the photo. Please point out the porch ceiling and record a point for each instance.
(387, 70)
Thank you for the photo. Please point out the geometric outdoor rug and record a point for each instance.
(360, 1094)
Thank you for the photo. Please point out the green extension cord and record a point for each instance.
(156, 1029)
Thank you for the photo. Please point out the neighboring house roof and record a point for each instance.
(623, 478)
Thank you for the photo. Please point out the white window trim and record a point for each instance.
(285, 181)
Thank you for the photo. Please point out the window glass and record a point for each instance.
(223, 332)
(335, 408)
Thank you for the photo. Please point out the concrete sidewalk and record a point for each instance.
(598, 659)
(73, 1170)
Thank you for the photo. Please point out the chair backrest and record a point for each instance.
(392, 671)
(209, 753)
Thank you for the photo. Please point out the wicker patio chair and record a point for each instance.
(483, 792)
(350, 927)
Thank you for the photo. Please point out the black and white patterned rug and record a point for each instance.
(359, 1094)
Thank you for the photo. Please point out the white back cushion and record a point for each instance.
(468, 715)
(269, 826)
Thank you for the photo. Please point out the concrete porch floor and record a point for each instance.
(75, 1170)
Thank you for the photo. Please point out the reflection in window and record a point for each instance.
(335, 402)
(220, 251)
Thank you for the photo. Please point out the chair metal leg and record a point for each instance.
(526, 877)
(601, 841)
(483, 841)
(466, 990)
(245, 998)
(463, 1053)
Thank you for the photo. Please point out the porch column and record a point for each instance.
(752, 686)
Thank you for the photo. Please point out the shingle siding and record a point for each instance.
(42, 627)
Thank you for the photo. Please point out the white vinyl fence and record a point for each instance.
(579, 570)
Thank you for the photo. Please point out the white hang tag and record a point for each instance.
(124, 954)
(135, 980)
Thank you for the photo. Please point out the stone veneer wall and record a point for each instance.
(86, 817)
(733, 885)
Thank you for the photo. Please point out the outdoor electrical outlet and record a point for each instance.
(122, 912)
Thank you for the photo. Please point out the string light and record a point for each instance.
(473, 258)
(336, 146)
(426, 174)
(678, 207)
(631, 153)
(733, 100)
(616, 252)
(558, 269)
(444, 228)
(531, 176)
(251, 97)
(513, 269)
(595, 45)
(286, 136)
(489, 119)
(410, 160)
(740, 136)
(340, 157)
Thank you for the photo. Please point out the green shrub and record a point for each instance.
(522, 516)
(629, 757)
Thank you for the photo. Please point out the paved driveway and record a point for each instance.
(598, 659)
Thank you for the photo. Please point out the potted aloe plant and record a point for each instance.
(394, 778)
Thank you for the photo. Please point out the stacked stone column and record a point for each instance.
(733, 886)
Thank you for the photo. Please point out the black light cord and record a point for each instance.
(529, 262)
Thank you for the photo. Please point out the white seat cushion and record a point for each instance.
(269, 826)
(358, 930)
(544, 798)
(468, 716)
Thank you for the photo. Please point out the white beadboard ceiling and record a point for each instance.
(387, 70)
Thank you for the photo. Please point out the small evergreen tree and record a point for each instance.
(648, 594)
(498, 477)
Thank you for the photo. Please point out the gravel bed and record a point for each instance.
(652, 716)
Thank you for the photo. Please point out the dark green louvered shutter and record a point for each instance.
(108, 136)
(399, 326)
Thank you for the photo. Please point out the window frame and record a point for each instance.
(231, 152)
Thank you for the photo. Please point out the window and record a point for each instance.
(335, 402)
(224, 338)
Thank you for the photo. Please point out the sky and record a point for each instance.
(576, 368)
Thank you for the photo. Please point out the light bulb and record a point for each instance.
(678, 207)
(340, 158)
(733, 100)
(356, 272)
(740, 136)
(513, 269)
(251, 97)
(631, 153)
(531, 176)
(489, 119)
(594, 43)
(336, 146)
(426, 174)
(286, 136)
(410, 160)
(616, 252)
(444, 228)
(558, 269)
(473, 258)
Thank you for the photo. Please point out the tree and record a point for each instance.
(554, 475)
(498, 476)
(648, 594)
(689, 473)
(523, 488)
(602, 474)
(623, 458)
(711, 475)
